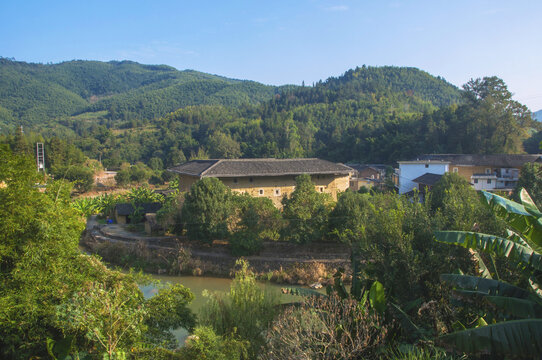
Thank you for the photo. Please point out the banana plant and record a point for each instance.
(87, 206)
(144, 194)
(520, 334)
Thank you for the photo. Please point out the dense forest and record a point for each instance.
(124, 112)
(34, 93)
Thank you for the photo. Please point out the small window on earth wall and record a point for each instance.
(260, 191)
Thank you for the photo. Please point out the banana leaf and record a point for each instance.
(518, 308)
(529, 204)
(485, 286)
(536, 287)
(512, 236)
(524, 219)
(482, 268)
(518, 338)
(412, 330)
(377, 297)
(492, 244)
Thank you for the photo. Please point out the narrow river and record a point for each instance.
(197, 284)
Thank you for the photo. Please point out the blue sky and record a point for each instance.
(279, 42)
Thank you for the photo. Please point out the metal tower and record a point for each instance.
(40, 156)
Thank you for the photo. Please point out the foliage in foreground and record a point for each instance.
(516, 321)
(326, 328)
(52, 296)
(245, 312)
(204, 344)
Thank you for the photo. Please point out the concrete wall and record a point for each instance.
(467, 171)
(482, 183)
(410, 171)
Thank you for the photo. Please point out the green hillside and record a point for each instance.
(407, 85)
(38, 93)
(127, 112)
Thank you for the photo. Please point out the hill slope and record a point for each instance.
(537, 115)
(405, 84)
(372, 114)
(32, 93)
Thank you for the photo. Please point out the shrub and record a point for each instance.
(204, 344)
(81, 176)
(123, 177)
(206, 210)
(155, 180)
(455, 205)
(168, 176)
(306, 212)
(325, 328)
(169, 216)
(246, 310)
(259, 221)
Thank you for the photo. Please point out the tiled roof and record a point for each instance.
(494, 160)
(260, 167)
(360, 167)
(428, 179)
(194, 167)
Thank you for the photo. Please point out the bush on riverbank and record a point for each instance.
(246, 311)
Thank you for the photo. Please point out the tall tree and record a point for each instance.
(306, 212)
(493, 121)
(206, 210)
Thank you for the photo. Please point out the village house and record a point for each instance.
(367, 175)
(124, 211)
(271, 178)
(485, 172)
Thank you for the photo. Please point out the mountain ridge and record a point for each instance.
(30, 91)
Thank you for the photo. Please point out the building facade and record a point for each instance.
(271, 178)
(485, 172)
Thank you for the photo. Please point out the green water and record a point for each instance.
(198, 284)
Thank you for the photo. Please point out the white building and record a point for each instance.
(410, 170)
(484, 172)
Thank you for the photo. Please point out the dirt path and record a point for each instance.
(272, 252)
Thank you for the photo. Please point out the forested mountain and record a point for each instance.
(37, 93)
(537, 115)
(410, 85)
(127, 112)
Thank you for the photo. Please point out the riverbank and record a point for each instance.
(278, 262)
